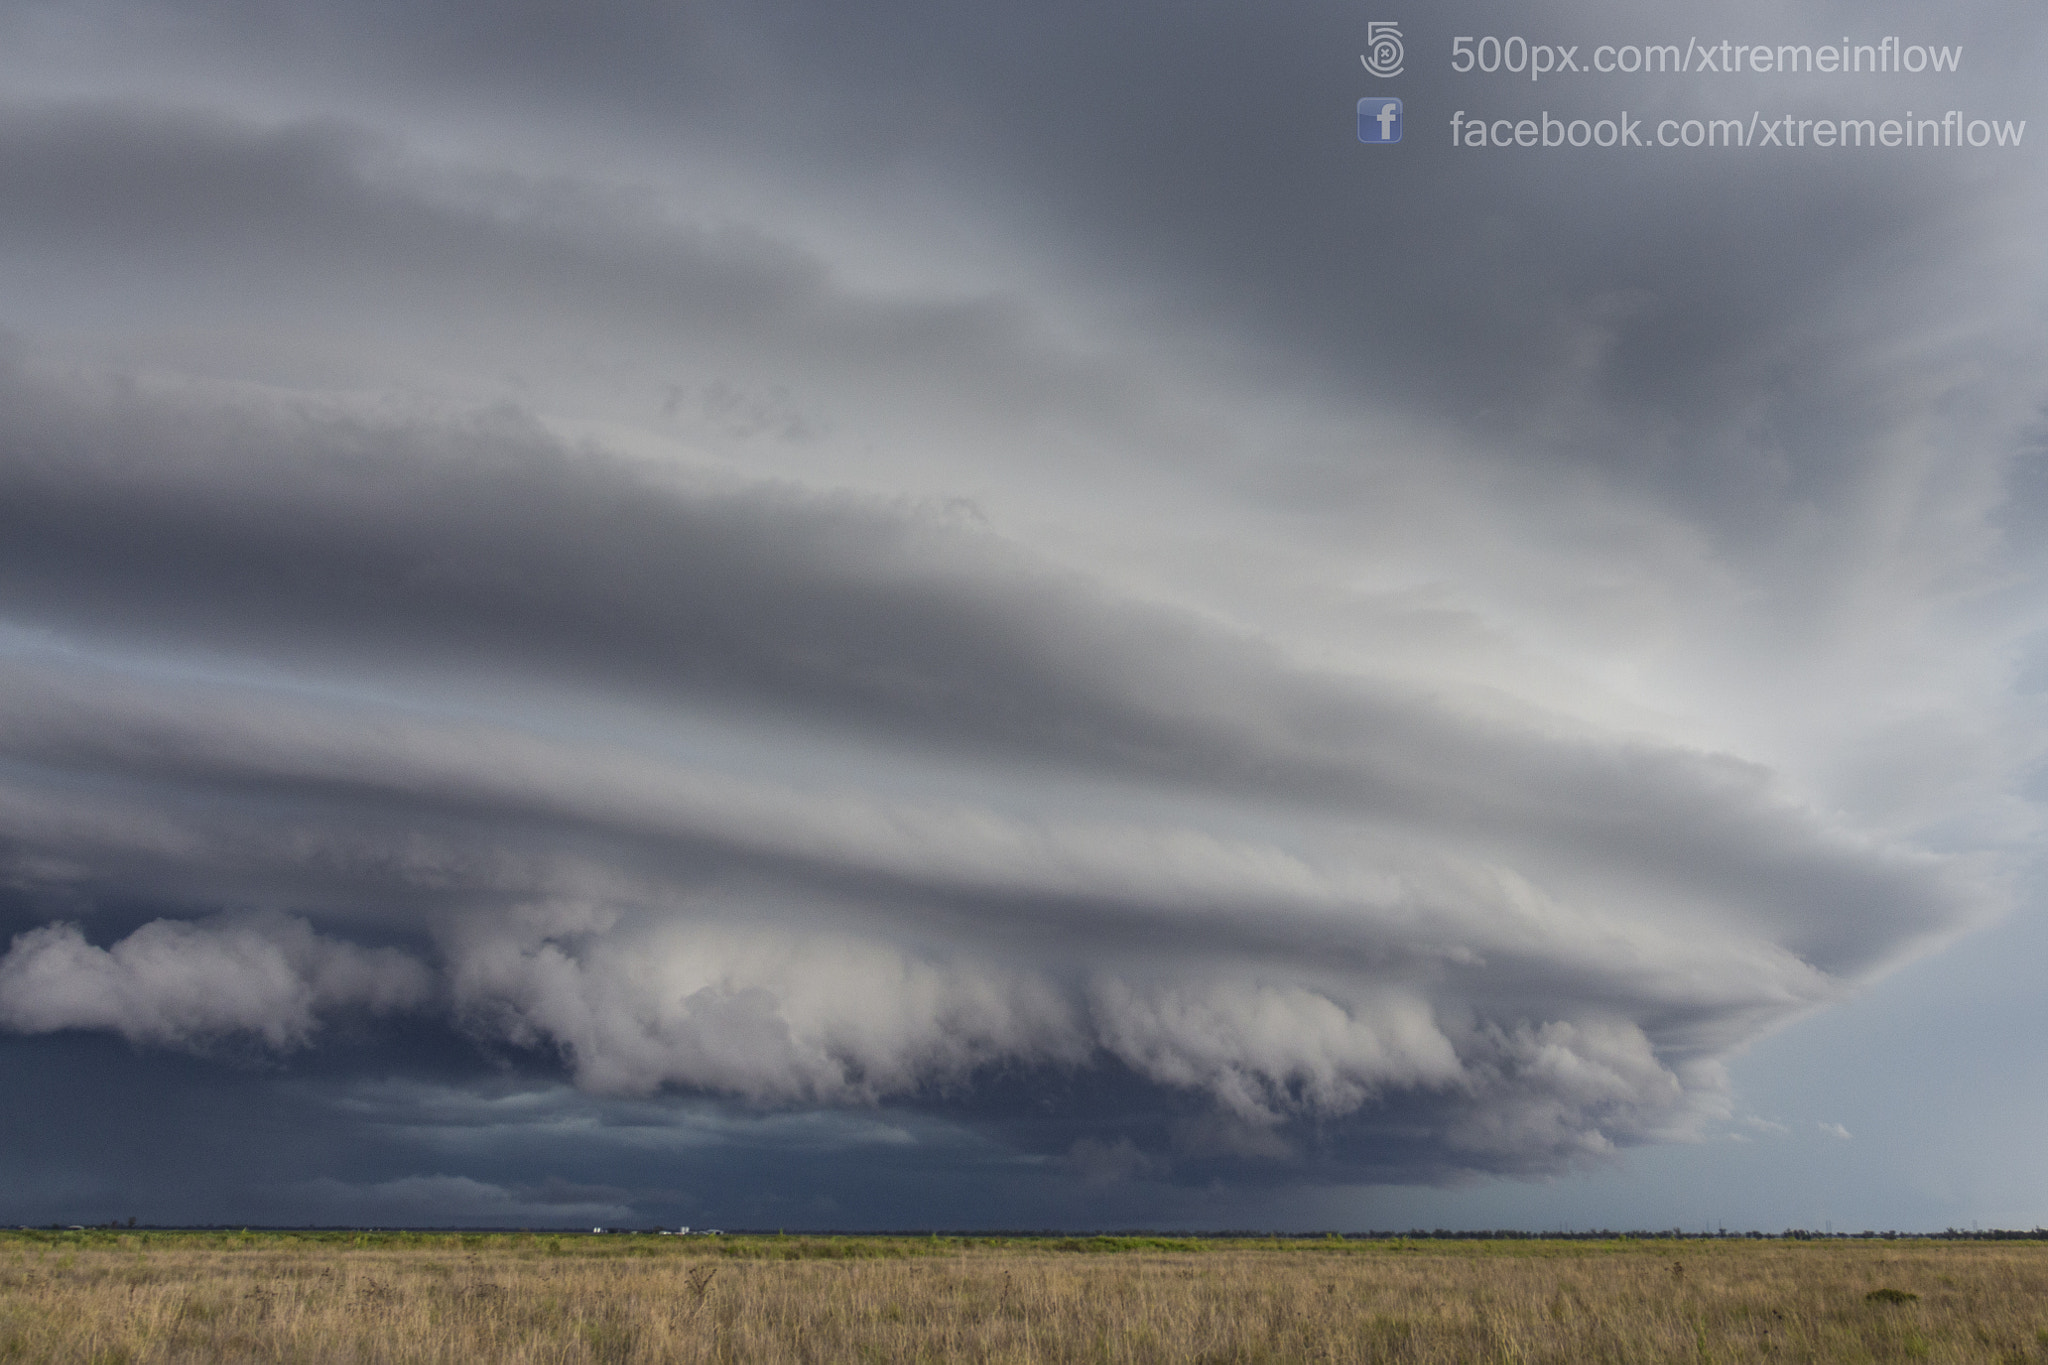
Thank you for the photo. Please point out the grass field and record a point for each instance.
(108, 1296)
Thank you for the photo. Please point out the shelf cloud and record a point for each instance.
(522, 577)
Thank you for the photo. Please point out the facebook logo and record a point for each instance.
(1379, 119)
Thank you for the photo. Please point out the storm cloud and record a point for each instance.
(1494, 914)
(1021, 629)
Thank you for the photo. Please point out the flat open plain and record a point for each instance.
(106, 1296)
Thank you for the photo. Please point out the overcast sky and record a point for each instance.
(912, 615)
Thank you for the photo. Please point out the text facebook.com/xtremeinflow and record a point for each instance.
(1952, 129)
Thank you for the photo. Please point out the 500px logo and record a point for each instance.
(1383, 55)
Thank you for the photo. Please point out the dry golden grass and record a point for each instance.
(140, 1297)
